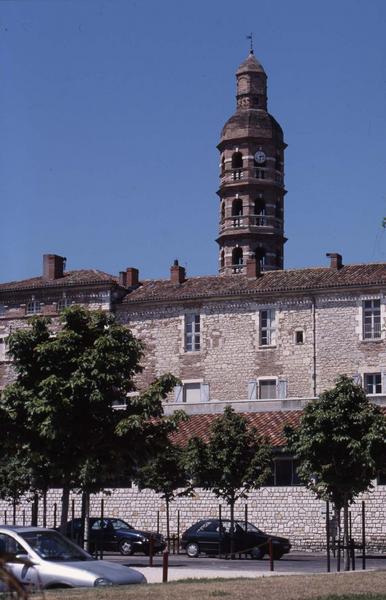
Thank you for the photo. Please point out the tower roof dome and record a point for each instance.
(250, 64)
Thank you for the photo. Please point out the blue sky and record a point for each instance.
(110, 112)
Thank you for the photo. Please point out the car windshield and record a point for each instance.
(52, 546)
(119, 524)
(249, 527)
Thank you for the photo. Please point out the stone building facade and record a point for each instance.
(264, 339)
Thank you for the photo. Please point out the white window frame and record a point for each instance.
(34, 307)
(125, 401)
(63, 303)
(3, 347)
(179, 391)
(371, 330)
(254, 388)
(192, 332)
(374, 384)
(267, 333)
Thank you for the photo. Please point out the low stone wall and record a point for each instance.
(288, 511)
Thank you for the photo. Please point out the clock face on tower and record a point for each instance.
(260, 157)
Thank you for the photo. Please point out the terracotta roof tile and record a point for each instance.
(83, 276)
(291, 280)
(269, 424)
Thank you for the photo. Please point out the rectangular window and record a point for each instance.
(267, 389)
(373, 383)
(267, 327)
(192, 332)
(33, 307)
(3, 349)
(191, 392)
(283, 473)
(371, 319)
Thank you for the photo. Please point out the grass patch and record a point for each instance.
(370, 585)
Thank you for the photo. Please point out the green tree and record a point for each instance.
(234, 460)
(165, 474)
(340, 445)
(61, 403)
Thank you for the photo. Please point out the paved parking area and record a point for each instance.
(180, 566)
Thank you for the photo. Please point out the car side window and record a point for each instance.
(9, 545)
(99, 524)
(208, 526)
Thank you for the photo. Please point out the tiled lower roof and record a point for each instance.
(268, 424)
(290, 280)
(79, 277)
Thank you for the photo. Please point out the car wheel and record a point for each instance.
(192, 550)
(257, 553)
(277, 555)
(126, 547)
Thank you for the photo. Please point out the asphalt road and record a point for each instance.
(292, 563)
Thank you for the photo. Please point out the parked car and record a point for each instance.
(44, 557)
(115, 534)
(212, 536)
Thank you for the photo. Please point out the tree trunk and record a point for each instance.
(346, 536)
(45, 508)
(86, 505)
(232, 532)
(35, 511)
(167, 522)
(65, 505)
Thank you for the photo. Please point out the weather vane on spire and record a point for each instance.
(250, 37)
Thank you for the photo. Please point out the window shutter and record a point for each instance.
(357, 379)
(178, 393)
(282, 389)
(252, 390)
(383, 382)
(204, 392)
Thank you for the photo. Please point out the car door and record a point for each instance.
(208, 537)
(102, 534)
(26, 574)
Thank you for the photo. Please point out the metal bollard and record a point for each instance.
(270, 546)
(151, 551)
(165, 566)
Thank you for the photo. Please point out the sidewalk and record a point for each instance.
(154, 574)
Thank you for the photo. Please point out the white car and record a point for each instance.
(52, 561)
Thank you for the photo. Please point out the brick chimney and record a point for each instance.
(335, 260)
(53, 266)
(177, 273)
(129, 278)
(253, 268)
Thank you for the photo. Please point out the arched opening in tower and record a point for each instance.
(237, 160)
(237, 256)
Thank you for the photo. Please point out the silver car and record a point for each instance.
(52, 561)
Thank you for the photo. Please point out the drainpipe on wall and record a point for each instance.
(313, 311)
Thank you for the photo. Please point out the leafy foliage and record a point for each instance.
(59, 411)
(340, 444)
(233, 461)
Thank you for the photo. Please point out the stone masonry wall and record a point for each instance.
(231, 355)
(292, 512)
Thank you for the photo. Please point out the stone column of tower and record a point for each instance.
(251, 179)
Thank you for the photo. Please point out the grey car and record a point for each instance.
(52, 561)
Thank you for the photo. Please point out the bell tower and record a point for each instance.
(251, 179)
